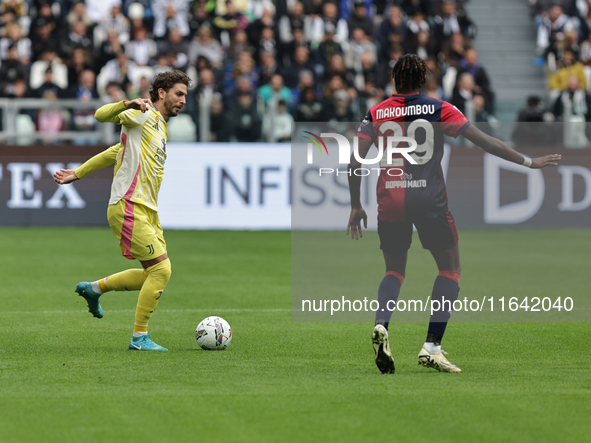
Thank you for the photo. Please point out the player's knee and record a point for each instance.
(162, 271)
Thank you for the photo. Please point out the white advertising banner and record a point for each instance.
(226, 186)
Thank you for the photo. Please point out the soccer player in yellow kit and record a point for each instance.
(139, 167)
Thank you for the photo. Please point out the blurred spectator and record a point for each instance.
(83, 118)
(170, 14)
(412, 7)
(176, 45)
(266, 21)
(393, 30)
(329, 16)
(463, 92)
(85, 88)
(268, 68)
(432, 89)
(309, 108)
(567, 67)
(14, 36)
(277, 126)
(142, 90)
(78, 14)
(470, 64)
(454, 49)
(100, 9)
(423, 45)
(360, 19)
(79, 36)
(574, 101)
(114, 20)
(552, 29)
(17, 88)
(120, 70)
(367, 72)
(274, 90)
(482, 118)
(113, 93)
(199, 17)
(232, 21)
(53, 119)
(450, 21)
(291, 74)
(238, 44)
(255, 9)
(385, 76)
(109, 48)
(306, 80)
(266, 43)
(417, 24)
(205, 45)
(337, 67)
(48, 85)
(341, 111)
(360, 45)
(42, 38)
(244, 121)
(295, 19)
(80, 60)
(140, 48)
(534, 125)
(243, 86)
(49, 58)
(326, 50)
(12, 68)
(218, 131)
(244, 66)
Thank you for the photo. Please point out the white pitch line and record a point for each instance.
(126, 311)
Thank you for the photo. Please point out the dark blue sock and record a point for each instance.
(445, 291)
(388, 292)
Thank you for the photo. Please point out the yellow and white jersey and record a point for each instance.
(139, 167)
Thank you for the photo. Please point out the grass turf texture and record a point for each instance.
(67, 377)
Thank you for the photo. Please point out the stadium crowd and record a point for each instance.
(257, 65)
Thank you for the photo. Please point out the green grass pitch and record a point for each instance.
(68, 377)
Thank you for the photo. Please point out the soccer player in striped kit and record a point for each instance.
(414, 193)
(133, 207)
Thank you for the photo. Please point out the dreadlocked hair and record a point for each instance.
(409, 73)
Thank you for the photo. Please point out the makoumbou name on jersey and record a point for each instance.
(404, 111)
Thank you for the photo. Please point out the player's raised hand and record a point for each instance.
(64, 176)
(357, 214)
(141, 104)
(547, 160)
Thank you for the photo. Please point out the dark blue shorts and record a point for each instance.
(436, 234)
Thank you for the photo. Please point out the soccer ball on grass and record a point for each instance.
(213, 334)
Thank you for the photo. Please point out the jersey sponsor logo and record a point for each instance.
(406, 184)
(405, 111)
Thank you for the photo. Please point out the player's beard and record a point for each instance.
(170, 109)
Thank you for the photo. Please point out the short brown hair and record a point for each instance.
(167, 80)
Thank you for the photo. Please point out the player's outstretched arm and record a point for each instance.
(496, 147)
(99, 161)
(357, 212)
(110, 113)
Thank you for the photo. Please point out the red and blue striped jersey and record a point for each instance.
(412, 190)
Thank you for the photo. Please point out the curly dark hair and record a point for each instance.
(167, 80)
(409, 73)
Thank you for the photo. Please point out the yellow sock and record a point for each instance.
(130, 280)
(157, 277)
